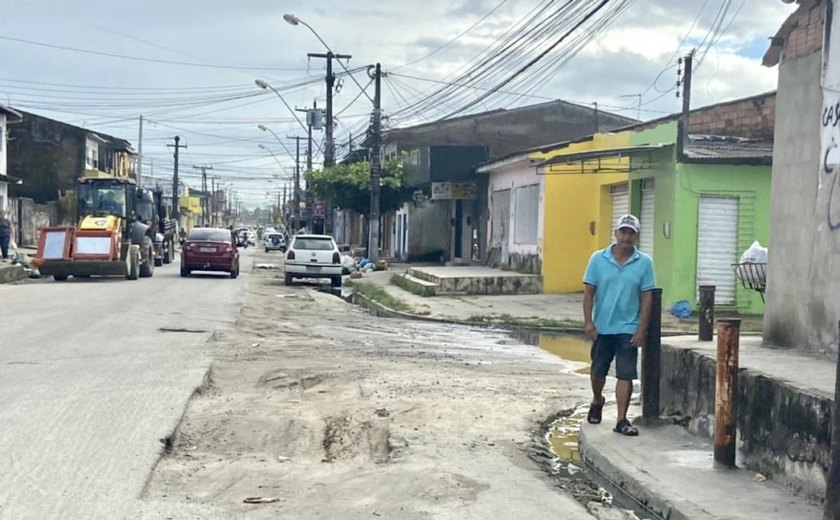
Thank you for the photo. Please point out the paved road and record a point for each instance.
(93, 373)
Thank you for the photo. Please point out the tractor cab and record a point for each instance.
(103, 197)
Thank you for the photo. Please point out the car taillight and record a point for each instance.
(290, 256)
(228, 249)
(188, 247)
(336, 258)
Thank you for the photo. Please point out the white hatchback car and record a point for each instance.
(313, 256)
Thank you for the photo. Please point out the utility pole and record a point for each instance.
(329, 152)
(176, 207)
(597, 125)
(205, 202)
(310, 124)
(375, 169)
(296, 195)
(682, 134)
(140, 155)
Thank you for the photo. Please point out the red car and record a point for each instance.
(209, 249)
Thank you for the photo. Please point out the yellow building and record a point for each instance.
(583, 196)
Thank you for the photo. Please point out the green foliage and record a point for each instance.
(347, 186)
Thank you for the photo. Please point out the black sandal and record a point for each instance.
(625, 428)
(594, 415)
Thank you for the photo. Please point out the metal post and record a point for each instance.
(726, 391)
(707, 312)
(651, 359)
(832, 497)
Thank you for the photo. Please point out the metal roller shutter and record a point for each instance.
(646, 216)
(620, 202)
(717, 246)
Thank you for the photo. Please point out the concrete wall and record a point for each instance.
(28, 217)
(782, 432)
(48, 155)
(802, 283)
(521, 256)
(577, 211)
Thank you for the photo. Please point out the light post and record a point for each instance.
(296, 194)
(375, 169)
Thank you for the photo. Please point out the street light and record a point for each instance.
(296, 194)
(265, 86)
(375, 165)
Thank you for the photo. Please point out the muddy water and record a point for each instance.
(564, 432)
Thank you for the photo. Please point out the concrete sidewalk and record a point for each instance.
(670, 473)
(539, 310)
(669, 468)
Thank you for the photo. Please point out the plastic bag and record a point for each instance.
(756, 254)
(747, 271)
(681, 309)
(12, 245)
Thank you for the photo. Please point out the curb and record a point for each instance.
(13, 273)
(381, 310)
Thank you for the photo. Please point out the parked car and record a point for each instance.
(209, 249)
(274, 242)
(313, 256)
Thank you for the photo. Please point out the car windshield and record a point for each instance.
(313, 244)
(210, 235)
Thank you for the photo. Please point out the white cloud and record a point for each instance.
(624, 60)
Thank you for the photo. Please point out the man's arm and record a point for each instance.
(589, 329)
(644, 319)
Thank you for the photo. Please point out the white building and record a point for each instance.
(7, 116)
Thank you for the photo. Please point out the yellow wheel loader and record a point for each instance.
(111, 238)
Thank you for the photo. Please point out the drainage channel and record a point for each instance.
(561, 434)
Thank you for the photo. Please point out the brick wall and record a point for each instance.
(806, 35)
(752, 117)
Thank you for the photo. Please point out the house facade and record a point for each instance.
(701, 204)
(450, 217)
(7, 116)
(49, 156)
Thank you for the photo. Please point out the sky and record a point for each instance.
(189, 68)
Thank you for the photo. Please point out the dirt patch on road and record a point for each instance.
(337, 414)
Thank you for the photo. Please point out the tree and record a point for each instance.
(347, 186)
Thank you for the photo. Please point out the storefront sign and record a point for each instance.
(454, 190)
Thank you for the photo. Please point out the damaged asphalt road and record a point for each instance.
(314, 409)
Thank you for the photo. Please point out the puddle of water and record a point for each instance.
(571, 348)
(563, 436)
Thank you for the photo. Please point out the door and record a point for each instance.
(620, 204)
(500, 223)
(717, 246)
(646, 216)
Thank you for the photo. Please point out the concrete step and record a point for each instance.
(424, 275)
(415, 285)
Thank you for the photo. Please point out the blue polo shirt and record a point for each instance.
(618, 289)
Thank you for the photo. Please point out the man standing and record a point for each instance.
(618, 281)
(5, 234)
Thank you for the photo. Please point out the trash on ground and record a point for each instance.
(281, 458)
(261, 500)
(266, 266)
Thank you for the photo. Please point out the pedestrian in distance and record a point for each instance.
(616, 311)
(5, 234)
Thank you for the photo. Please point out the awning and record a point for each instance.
(591, 161)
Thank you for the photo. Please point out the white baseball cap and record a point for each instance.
(629, 222)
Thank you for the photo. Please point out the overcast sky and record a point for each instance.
(189, 66)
